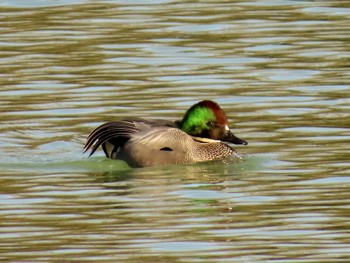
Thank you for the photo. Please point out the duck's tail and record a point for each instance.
(111, 136)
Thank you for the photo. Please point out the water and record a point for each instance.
(278, 68)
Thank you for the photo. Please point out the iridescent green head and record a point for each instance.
(207, 120)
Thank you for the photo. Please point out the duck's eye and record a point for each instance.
(212, 124)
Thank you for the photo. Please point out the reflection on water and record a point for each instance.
(278, 68)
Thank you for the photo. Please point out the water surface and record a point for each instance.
(280, 70)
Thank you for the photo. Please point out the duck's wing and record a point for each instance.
(162, 138)
(119, 132)
(157, 146)
(116, 133)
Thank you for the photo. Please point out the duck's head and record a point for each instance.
(207, 120)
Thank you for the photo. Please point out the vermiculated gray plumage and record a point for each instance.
(144, 143)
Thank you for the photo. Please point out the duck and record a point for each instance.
(202, 135)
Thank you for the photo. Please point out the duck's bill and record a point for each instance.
(230, 137)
